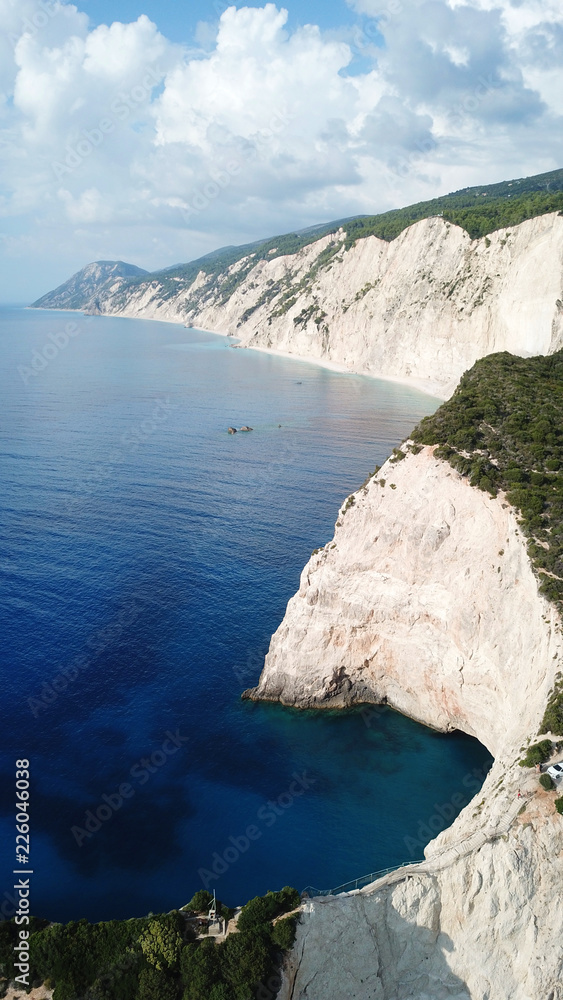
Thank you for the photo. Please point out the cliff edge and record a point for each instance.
(421, 308)
(426, 599)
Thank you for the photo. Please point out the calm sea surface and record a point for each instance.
(146, 558)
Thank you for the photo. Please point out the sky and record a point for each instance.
(155, 132)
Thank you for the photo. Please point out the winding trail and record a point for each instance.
(449, 854)
(442, 859)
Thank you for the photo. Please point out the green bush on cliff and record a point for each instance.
(559, 805)
(157, 957)
(264, 909)
(200, 902)
(503, 430)
(546, 782)
(538, 753)
(283, 934)
(553, 719)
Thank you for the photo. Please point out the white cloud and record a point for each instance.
(263, 128)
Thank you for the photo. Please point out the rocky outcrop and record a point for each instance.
(484, 929)
(88, 288)
(426, 599)
(422, 308)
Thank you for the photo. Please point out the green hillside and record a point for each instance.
(503, 429)
(479, 210)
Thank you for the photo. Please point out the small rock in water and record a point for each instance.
(232, 430)
(245, 428)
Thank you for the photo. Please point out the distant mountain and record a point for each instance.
(479, 210)
(82, 290)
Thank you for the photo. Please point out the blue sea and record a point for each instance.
(146, 558)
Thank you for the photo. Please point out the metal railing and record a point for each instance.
(357, 883)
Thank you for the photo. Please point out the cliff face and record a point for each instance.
(89, 286)
(423, 307)
(487, 928)
(426, 599)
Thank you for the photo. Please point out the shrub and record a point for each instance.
(283, 933)
(538, 753)
(200, 901)
(546, 782)
(155, 983)
(553, 719)
(161, 943)
(559, 805)
(263, 909)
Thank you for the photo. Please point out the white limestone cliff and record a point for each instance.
(422, 308)
(426, 599)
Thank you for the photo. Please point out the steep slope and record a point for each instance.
(85, 288)
(420, 308)
(415, 294)
(426, 599)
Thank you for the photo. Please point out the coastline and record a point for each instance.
(428, 386)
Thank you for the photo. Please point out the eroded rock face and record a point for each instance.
(424, 307)
(426, 599)
(482, 930)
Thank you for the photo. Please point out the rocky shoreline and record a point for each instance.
(426, 600)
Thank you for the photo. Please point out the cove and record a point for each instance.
(147, 557)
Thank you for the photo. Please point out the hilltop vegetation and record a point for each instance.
(476, 211)
(158, 957)
(479, 210)
(503, 429)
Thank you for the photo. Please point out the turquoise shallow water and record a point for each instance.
(146, 558)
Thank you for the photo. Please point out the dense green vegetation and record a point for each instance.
(158, 957)
(479, 210)
(553, 718)
(547, 782)
(538, 753)
(503, 429)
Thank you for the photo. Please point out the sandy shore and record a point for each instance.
(428, 386)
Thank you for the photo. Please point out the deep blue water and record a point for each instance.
(149, 556)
